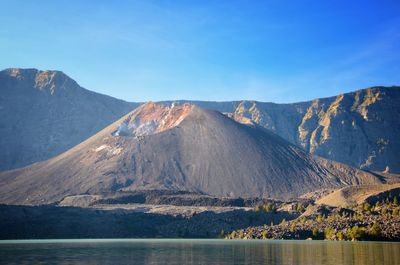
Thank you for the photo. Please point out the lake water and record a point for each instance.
(197, 251)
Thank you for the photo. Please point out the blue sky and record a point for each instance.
(279, 51)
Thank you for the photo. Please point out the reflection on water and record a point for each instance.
(197, 252)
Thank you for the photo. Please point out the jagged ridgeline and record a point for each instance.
(179, 147)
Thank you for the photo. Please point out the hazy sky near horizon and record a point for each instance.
(279, 51)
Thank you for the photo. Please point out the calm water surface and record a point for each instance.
(182, 251)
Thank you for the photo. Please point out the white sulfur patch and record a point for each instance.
(123, 130)
(134, 130)
(146, 128)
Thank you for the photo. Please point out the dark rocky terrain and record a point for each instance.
(177, 198)
(43, 113)
(40, 222)
(180, 148)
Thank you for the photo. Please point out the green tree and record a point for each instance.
(367, 207)
(395, 201)
(293, 227)
(375, 230)
(329, 233)
(257, 208)
(300, 207)
(340, 235)
(222, 233)
(269, 207)
(356, 233)
(361, 217)
(264, 234)
(315, 233)
(320, 219)
(384, 211)
(396, 211)
(336, 217)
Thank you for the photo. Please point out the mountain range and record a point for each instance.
(44, 113)
(83, 143)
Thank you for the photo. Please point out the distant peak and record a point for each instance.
(47, 80)
(151, 118)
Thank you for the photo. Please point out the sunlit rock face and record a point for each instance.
(360, 128)
(152, 118)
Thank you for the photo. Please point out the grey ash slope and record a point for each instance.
(189, 149)
(44, 113)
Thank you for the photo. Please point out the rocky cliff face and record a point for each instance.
(43, 113)
(360, 129)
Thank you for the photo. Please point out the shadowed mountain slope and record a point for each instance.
(180, 147)
(43, 113)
